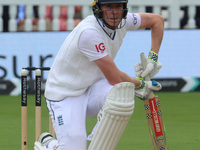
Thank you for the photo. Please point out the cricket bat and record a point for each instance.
(154, 116)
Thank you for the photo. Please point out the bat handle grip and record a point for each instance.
(151, 94)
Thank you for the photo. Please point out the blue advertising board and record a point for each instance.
(179, 53)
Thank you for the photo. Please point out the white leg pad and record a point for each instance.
(117, 111)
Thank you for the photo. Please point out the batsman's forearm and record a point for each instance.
(122, 77)
(157, 32)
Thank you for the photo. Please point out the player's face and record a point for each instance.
(112, 13)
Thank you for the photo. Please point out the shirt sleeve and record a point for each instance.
(92, 44)
(133, 21)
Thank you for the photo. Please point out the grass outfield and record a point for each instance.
(181, 112)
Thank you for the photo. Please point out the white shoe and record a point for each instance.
(47, 141)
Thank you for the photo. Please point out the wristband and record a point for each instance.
(153, 56)
(142, 84)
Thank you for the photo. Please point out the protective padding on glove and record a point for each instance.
(152, 69)
(150, 85)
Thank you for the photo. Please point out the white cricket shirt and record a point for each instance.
(74, 69)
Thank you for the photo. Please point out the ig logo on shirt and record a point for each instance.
(101, 47)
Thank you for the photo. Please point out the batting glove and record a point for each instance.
(145, 87)
(152, 68)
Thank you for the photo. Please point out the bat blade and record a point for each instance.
(155, 123)
(154, 116)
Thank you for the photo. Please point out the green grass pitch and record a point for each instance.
(181, 113)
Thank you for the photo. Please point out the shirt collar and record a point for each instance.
(110, 32)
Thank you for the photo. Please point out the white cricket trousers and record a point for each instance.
(69, 115)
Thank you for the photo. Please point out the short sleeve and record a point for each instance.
(133, 21)
(92, 44)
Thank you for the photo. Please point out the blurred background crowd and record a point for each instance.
(63, 16)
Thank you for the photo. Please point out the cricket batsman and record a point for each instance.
(84, 81)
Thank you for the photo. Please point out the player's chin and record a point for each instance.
(113, 23)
